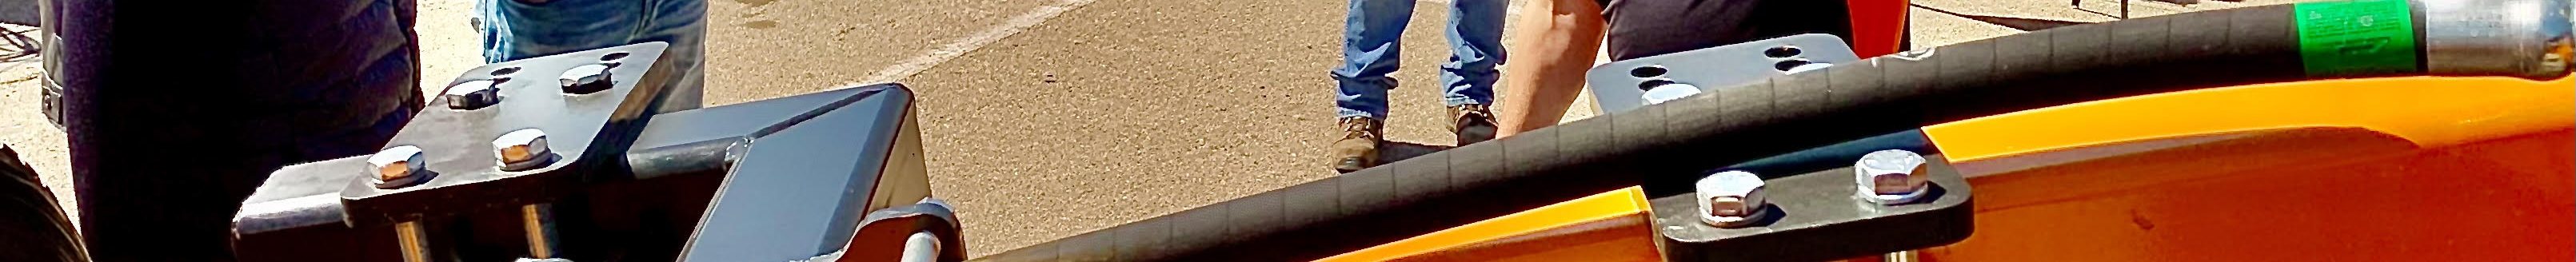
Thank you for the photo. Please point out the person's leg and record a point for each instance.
(1369, 36)
(683, 24)
(1369, 53)
(520, 29)
(1467, 80)
(1476, 47)
(158, 172)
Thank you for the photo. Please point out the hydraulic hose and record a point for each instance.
(1664, 146)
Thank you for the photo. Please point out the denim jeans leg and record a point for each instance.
(1476, 47)
(514, 30)
(683, 24)
(1369, 53)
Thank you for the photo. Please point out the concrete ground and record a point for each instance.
(1048, 118)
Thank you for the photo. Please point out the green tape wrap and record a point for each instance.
(2357, 37)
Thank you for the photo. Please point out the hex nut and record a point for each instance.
(585, 79)
(1891, 177)
(472, 95)
(398, 167)
(1731, 199)
(522, 150)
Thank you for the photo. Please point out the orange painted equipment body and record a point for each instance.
(1610, 226)
(2409, 169)
(2405, 169)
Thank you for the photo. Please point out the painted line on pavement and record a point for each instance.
(970, 43)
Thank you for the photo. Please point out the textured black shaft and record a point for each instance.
(1665, 146)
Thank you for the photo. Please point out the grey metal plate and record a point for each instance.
(798, 193)
(733, 120)
(1620, 86)
(457, 143)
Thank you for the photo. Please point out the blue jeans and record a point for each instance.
(517, 29)
(1369, 53)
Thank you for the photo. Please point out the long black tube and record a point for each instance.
(1664, 146)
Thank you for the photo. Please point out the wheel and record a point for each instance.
(30, 221)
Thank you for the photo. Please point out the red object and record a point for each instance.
(1878, 26)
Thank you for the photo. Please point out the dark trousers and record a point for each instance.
(176, 110)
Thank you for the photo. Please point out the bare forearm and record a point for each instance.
(1550, 51)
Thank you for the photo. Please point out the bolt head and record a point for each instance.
(585, 79)
(397, 167)
(523, 149)
(1891, 176)
(1731, 198)
(472, 95)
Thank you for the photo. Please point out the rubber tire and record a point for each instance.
(30, 220)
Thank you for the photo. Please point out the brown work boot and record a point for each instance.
(1472, 122)
(1358, 147)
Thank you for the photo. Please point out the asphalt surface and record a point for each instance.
(1048, 118)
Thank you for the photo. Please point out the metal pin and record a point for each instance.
(1898, 256)
(921, 247)
(538, 220)
(414, 248)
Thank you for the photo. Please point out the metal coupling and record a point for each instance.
(1892, 177)
(921, 247)
(1731, 199)
(398, 167)
(522, 150)
(585, 79)
(2526, 38)
(472, 95)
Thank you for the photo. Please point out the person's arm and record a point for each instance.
(1555, 44)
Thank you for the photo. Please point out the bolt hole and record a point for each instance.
(1651, 84)
(1785, 51)
(1647, 71)
(505, 71)
(1786, 65)
(613, 56)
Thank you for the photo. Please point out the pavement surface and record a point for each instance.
(1048, 118)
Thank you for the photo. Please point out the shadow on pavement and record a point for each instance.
(1391, 151)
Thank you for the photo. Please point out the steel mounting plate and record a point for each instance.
(457, 143)
(1819, 216)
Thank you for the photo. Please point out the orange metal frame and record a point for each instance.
(2415, 168)
(2411, 168)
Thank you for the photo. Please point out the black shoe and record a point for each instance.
(1472, 122)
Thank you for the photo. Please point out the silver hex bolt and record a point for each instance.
(398, 167)
(1731, 199)
(522, 150)
(472, 95)
(1891, 177)
(585, 79)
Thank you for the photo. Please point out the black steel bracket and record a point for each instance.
(1819, 216)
